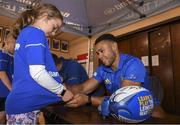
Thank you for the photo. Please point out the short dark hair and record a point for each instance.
(106, 37)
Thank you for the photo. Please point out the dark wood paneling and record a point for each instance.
(160, 45)
(123, 46)
(139, 45)
(175, 38)
(136, 45)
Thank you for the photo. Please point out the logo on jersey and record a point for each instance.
(131, 77)
(107, 81)
(17, 46)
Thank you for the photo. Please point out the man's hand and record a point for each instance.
(67, 96)
(78, 100)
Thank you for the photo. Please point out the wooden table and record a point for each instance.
(90, 115)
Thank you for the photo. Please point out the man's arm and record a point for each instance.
(84, 88)
(82, 99)
(4, 78)
(81, 92)
(129, 83)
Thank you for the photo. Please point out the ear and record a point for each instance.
(114, 46)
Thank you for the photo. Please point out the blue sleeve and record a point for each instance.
(98, 74)
(3, 62)
(35, 48)
(135, 71)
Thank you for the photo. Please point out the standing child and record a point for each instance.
(36, 82)
(6, 72)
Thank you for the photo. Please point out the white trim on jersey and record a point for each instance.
(38, 44)
(42, 77)
(3, 60)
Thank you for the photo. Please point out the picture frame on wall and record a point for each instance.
(55, 45)
(64, 46)
(1, 34)
(6, 32)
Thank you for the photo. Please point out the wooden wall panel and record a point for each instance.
(160, 45)
(175, 38)
(123, 46)
(136, 45)
(139, 46)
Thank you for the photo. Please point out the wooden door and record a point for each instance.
(123, 46)
(139, 47)
(160, 46)
(175, 38)
(136, 45)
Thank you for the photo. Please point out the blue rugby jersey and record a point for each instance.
(27, 95)
(6, 65)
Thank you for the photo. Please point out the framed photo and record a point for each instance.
(55, 44)
(6, 32)
(1, 34)
(49, 42)
(64, 46)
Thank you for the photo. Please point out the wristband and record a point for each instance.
(63, 92)
(89, 103)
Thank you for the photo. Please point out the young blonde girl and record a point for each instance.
(36, 82)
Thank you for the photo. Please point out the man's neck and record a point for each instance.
(116, 63)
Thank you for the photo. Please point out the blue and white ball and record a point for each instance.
(131, 104)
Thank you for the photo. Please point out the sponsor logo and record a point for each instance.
(107, 81)
(146, 104)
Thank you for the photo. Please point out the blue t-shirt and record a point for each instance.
(72, 72)
(27, 95)
(6, 65)
(129, 68)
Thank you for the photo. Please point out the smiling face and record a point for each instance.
(106, 52)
